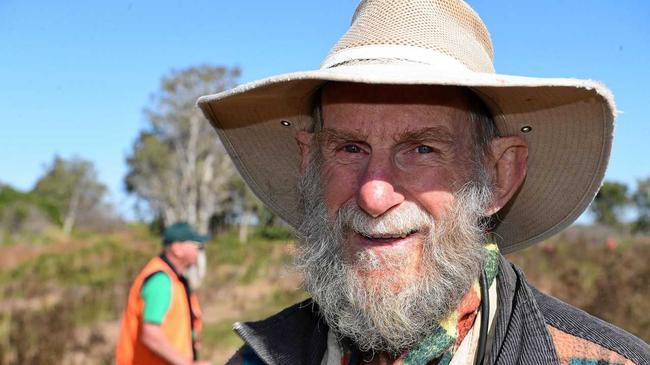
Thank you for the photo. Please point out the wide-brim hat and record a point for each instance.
(567, 123)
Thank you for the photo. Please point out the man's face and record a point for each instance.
(392, 197)
(384, 147)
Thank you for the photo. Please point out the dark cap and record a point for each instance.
(181, 231)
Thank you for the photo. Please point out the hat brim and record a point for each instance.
(569, 142)
(201, 239)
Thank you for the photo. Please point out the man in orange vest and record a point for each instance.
(161, 322)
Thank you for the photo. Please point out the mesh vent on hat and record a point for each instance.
(448, 27)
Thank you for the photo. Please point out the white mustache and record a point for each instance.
(400, 221)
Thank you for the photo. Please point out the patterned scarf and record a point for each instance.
(439, 348)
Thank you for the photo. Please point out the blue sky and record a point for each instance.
(76, 74)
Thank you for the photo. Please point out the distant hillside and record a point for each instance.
(61, 300)
(596, 270)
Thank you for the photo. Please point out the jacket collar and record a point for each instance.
(297, 335)
(520, 334)
(169, 263)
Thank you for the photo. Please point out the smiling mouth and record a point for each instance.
(386, 237)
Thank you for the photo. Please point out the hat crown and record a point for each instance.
(445, 33)
(180, 232)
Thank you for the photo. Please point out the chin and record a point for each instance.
(391, 270)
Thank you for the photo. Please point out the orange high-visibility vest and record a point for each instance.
(182, 316)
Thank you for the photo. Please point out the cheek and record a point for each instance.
(431, 188)
(339, 185)
(437, 203)
(431, 178)
(190, 253)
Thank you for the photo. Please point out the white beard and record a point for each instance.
(196, 272)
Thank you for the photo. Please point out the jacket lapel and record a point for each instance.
(296, 335)
(520, 335)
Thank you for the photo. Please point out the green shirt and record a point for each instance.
(157, 294)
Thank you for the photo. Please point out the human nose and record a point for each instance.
(377, 191)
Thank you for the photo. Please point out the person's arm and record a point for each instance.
(156, 293)
(154, 338)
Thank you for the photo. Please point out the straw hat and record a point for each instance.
(567, 123)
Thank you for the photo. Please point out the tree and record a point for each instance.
(24, 215)
(641, 200)
(609, 203)
(71, 186)
(178, 166)
(246, 206)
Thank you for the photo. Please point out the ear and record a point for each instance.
(508, 169)
(304, 141)
(177, 249)
(172, 249)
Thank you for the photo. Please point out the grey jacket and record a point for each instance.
(531, 328)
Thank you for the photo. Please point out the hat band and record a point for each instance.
(395, 52)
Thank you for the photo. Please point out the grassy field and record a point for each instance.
(60, 301)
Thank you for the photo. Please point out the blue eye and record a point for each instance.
(423, 149)
(350, 148)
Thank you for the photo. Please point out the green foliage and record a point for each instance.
(25, 216)
(180, 170)
(71, 186)
(609, 203)
(150, 156)
(641, 199)
(275, 233)
(92, 267)
(10, 197)
(177, 166)
(70, 286)
(607, 278)
(242, 199)
(62, 177)
(219, 334)
(253, 256)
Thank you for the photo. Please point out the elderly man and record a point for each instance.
(161, 323)
(408, 166)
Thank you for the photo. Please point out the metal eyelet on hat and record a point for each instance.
(526, 129)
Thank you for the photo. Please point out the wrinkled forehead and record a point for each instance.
(349, 103)
(358, 93)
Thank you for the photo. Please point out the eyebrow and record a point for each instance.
(332, 136)
(437, 133)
